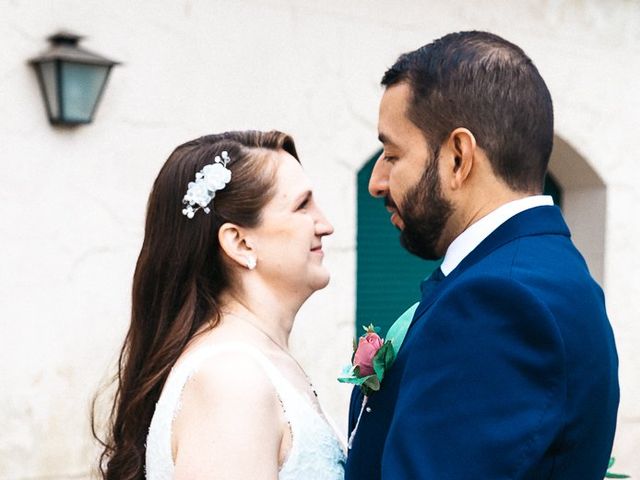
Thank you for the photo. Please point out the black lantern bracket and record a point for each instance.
(72, 79)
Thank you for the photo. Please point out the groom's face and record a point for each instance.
(406, 175)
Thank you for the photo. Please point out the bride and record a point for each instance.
(207, 388)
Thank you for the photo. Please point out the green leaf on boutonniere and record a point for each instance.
(609, 474)
(398, 330)
(351, 374)
(370, 329)
(383, 359)
(371, 384)
(368, 384)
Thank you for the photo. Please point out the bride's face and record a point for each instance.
(288, 241)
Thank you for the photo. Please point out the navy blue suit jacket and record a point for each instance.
(509, 370)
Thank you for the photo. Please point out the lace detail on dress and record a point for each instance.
(315, 453)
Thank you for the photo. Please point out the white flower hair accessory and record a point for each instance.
(209, 180)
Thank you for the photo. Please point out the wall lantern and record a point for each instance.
(72, 79)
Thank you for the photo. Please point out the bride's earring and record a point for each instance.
(251, 263)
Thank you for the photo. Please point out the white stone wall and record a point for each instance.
(72, 201)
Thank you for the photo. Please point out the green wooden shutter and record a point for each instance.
(388, 277)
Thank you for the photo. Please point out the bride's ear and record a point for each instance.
(235, 244)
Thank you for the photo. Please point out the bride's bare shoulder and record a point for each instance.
(229, 405)
(228, 378)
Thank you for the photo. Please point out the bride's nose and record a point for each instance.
(323, 226)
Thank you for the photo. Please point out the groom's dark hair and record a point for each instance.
(482, 82)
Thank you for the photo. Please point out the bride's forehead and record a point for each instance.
(290, 177)
(287, 165)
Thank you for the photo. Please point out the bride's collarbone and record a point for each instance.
(295, 375)
(284, 362)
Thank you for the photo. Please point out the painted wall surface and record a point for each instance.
(72, 201)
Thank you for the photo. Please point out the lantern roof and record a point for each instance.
(64, 46)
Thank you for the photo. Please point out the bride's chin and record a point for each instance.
(322, 281)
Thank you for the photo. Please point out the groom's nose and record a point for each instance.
(379, 181)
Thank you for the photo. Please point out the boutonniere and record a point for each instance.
(372, 358)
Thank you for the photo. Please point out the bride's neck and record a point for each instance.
(271, 313)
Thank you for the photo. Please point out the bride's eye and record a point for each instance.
(305, 202)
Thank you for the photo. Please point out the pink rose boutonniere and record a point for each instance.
(372, 356)
(368, 347)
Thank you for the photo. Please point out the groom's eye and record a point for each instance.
(390, 158)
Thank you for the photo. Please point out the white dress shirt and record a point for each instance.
(468, 240)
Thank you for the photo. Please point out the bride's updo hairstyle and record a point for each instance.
(179, 277)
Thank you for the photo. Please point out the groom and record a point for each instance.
(509, 368)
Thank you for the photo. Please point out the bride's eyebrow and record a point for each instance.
(303, 197)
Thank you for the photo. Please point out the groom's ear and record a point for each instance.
(235, 243)
(462, 147)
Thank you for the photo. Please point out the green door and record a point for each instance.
(388, 277)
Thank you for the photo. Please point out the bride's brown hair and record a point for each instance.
(178, 279)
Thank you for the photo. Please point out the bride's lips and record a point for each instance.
(318, 250)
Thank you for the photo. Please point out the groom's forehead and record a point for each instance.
(394, 122)
(396, 99)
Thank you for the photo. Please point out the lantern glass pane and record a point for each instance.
(81, 87)
(50, 85)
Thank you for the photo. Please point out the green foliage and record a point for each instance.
(609, 474)
(383, 359)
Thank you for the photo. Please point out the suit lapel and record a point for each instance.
(545, 220)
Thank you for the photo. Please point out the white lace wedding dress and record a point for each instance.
(315, 454)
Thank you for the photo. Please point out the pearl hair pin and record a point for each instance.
(208, 181)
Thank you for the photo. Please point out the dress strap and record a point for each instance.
(194, 360)
(170, 401)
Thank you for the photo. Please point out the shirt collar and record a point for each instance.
(468, 240)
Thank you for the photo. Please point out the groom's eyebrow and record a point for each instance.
(385, 140)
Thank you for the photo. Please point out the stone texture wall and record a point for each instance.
(72, 201)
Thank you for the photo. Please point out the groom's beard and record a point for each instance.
(425, 212)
